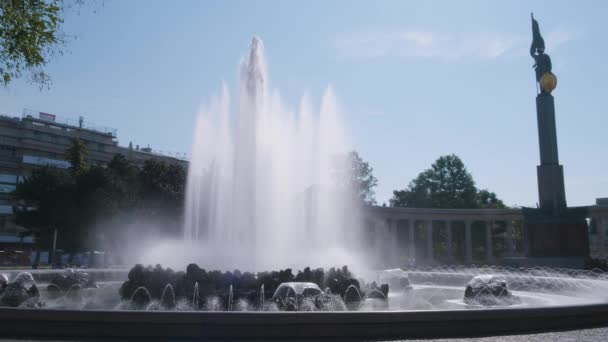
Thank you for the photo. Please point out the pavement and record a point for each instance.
(583, 335)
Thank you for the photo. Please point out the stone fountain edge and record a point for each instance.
(381, 324)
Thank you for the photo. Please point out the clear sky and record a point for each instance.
(414, 79)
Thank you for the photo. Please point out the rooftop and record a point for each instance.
(67, 121)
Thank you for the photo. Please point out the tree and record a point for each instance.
(123, 185)
(447, 184)
(121, 166)
(162, 191)
(45, 202)
(76, 155)
(351, 172)
(29, 35)
(487, 199)
(89, 205)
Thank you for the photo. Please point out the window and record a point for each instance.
(3, 224)
(8, 178)
(7, 188)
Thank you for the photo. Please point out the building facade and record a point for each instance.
(598, 232)
(466, 236)
(36, 139)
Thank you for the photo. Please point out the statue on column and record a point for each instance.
(545, 78)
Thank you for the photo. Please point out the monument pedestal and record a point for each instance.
(563, 235)
(553, 232)
(551, 191)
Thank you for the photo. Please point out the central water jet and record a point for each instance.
(260, 192)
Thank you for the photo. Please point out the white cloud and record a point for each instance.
(440, 45)
(559, 37)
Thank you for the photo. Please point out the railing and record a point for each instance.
(176, 155)
(67, 121)
(48, 118)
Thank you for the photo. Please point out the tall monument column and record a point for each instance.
(553, 229)
(551, 192)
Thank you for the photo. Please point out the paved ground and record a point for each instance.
(586, 335)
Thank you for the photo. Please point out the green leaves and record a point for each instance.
(86, 202)
(29, 35)
(76, 155)
(351, 172)
(447, 184)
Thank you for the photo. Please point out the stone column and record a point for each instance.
(509, 238)
(449, 239)
(429, 240)
(489, 247)
(394, 243)
(378, 233)
(468, 243)
(601, 236)
(411, 249)
(386, 247)
(526, 241)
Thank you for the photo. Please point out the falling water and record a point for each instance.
(167, 299)
(73, 291)
(262, 299)
(26, 278)
(352, 288)
(195, 297)
(230, 298)
(140, 298)
(262, 190)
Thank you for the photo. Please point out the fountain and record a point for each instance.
(167, 299)
(262, 297)
(195, 295)
(260, 193)
(140, 298)
(260, 197)
(230, 298)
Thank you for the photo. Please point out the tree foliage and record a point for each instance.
(76, 200)
(29, 35)
(447, 184)
(44, 198)
(76, 154)
(487, 199)
(351, 172)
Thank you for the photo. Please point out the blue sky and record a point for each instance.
(414, 80)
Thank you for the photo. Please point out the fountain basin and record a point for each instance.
(383, 324)
(433, 306)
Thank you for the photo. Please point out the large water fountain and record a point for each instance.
(262, 196)
(260, 191)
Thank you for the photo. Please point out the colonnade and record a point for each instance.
(390, 227)
(599, 214)
(400, 235)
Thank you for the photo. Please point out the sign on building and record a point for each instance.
(46, 116)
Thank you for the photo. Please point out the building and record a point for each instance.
(599, 229)
(38, 138)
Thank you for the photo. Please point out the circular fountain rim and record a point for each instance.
(431, 323)
(24, 322)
